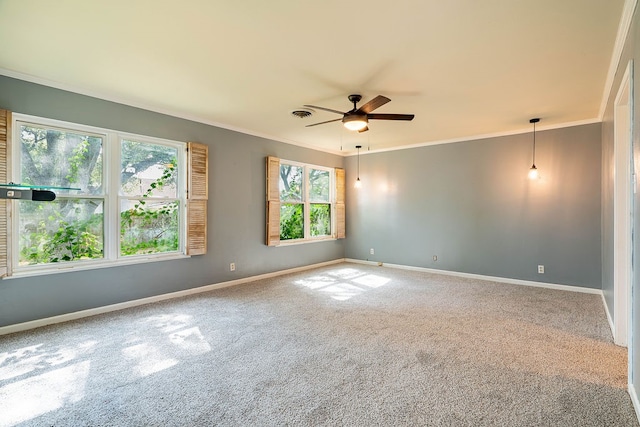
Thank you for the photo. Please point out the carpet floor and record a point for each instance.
(347, 344)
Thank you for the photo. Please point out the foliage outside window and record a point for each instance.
(149, 204)
(305, 196)
(128, 203)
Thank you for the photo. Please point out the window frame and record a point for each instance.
(111, 197)
(180, 189)
(306, 202)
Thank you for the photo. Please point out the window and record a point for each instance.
(292, 203)
(319, 202)
(149, 202)
(128, 200)
(302, 202)
(305, 201)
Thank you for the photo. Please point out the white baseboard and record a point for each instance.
(482, 277)
(18, 327)
(609, 318)
(634, 400)
(134, 303)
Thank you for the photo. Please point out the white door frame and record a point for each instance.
(622, 217)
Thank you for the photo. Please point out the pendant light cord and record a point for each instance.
(534, 143)
(534, 121)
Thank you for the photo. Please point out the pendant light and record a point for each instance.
(533, 171)
(358, 182)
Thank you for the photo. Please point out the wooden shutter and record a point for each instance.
(5, 139)
(340, 209)
(273, 201)
(197, 198)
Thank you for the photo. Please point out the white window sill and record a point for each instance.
(305, 241)
(89, 265)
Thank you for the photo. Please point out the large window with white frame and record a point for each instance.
(127, 200)
(306, 201)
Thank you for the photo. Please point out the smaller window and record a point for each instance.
(320, 202)
(306, 194)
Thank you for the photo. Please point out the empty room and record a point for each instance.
(330, 213)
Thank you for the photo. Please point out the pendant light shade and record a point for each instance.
(358, 183)
(533, 171)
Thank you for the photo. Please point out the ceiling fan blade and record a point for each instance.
(325, 109)
(376, 102)
(321, 123)
(366, 128)
(390, 116)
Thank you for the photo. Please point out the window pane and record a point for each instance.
(61, 158)
(320, 217)
(319, 181)
(291, 221)
(290, 182)
(148, 227)
(62, 230)
(148, 170)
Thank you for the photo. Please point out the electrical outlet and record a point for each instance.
(232, 266)
(541, 269)
(371, 251)
(435, 257)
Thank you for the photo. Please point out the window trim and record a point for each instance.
(181, 150)
(306, 202)
(110, 196)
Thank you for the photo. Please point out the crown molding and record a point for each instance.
(623, 31)
(483, 136)
(169, 112)
(194, 118)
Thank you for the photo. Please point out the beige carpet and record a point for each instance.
(345, 345)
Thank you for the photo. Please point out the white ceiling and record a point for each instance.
(465, 68)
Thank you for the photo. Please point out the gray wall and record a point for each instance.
(236, 211)
(472, 205)
(607, 207)
(469, 203)
(631, 51)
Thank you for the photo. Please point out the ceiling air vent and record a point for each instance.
(303, 114)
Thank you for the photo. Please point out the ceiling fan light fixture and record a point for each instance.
(355, 122)
(357, 119)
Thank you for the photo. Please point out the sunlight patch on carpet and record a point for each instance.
(344, 283)
(29, 398)
(346, 273)
(342, 291)
(372, 281)
(316, 282)
(170, 322)
(148, 359)
(28, 359)
(191, 340)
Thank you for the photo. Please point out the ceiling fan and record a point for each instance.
(358, 118)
